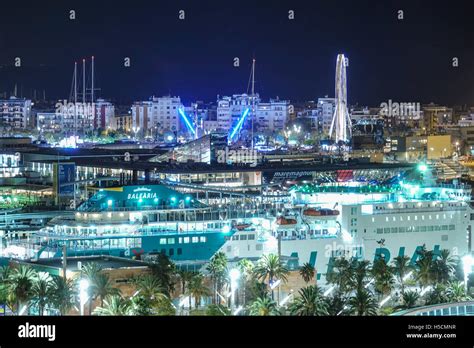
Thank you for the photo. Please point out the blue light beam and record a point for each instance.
(186, 120)
(240, 123)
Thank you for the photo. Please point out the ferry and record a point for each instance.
(317, 223)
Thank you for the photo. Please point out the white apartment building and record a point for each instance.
(156, 114)
(269, 116)
(15, 113)
(326, 107)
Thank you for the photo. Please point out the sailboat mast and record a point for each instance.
(75, 101)
(84, 81)
(253, 96)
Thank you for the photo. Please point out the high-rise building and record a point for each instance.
(157, 114)
(15, 113)
(269, 116)
(104, 113)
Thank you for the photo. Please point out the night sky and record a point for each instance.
(407, 60)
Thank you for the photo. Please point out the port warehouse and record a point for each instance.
(96, 163)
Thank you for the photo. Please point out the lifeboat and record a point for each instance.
(285, 221)
(242, 227)
(317, 213)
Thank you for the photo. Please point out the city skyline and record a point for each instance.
(173, 56)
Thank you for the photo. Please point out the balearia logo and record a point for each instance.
(84, 109)
(37, 331)
(395, 109)
(142, 193)
(237, 156)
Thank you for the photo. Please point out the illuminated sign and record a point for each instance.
(142, 193)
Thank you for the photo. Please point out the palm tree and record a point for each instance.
(63, 294)
(363, 303)
(310, 302)
(337, 304)
(425, 275)
(149, 287)
(197, 289)
(409, 299)
(42, 291)
(264, 306)
(113, 305)
(102, 287)
(444, 266)
(401, 269)
(217, 267)
(307, 272)
(139, 305)
(185, 276)
(164, 269)
(383, 275)
(270, 266)
(20, 284)
(341, 274)
(90, 271)
(245, 267)
(456, 292)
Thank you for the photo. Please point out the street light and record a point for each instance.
(468, 262)
(83, 293)
(234, 275)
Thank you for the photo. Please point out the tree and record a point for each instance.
(217, 268)
(444, 266)
(307, 272)
(456, 292)
(149, 287)
(363, 303)
(264, 306)
(310, 302)
(409, 299)
(246, 268)
(63, 294)
(270, 267)
(383, 276)
(102, 287)
(360, 273)
(401, 269)
(197, 289)
(20, 284)
(113, 305)
(185, 276)
(218, 310)
(140, 305)
(337, 304)
(437, 295)
(341, 275)
(42, 291)
(164, 269)
(424, 273)
(90, 272)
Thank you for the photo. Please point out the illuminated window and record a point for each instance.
(195, 239)
(162, 240)
(202, 239)
(171, 240)
(186, 240)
